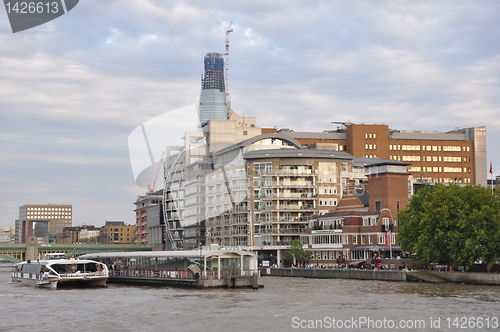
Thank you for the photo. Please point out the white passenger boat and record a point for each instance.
(57, 271)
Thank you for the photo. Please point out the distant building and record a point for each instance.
(494, 183)
(149, 220)
(89, 234)
(69, 235)
(42, 220)
(7, 235)
(116, 232)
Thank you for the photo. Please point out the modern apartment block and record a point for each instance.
(42, 220)
(265, 195)
(149, 220)
(184, 202)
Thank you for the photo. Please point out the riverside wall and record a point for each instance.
(386, 275)
(475, 278)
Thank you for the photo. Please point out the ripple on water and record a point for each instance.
(130, 308)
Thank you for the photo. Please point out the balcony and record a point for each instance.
(287, 184)
(285, 172)
(281, 231)
(286, 207)
(287, 196)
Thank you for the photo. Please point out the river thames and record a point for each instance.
(285, 304)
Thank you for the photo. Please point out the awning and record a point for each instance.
(375, 248)
(367, 248)
(357, 262)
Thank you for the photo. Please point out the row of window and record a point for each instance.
(368, 135)
(370, 146)
(399, 147)
(378, 238)
(48, 209)
(329, 190)
(328, 202)
(366, 238)
(440, 169)
(432, 158)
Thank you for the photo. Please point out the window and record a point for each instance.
(385, 222)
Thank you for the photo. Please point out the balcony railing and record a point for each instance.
(281, 231)
(298, 172)
(284, 184)
(287, 207)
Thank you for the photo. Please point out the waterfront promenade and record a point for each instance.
(435, 277)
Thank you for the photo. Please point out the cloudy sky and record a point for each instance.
(74, 89)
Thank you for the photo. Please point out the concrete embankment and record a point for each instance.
(386, 275)
(474, 278)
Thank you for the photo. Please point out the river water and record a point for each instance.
(285, 304)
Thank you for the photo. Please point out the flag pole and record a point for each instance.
(491, 176)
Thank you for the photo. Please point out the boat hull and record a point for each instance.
(51, 283)
(70, 282)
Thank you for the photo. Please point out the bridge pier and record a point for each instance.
(32, 248)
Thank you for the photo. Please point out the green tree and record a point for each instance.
(452, 225)
(297, 250)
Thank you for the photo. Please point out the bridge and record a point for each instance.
(15, 253)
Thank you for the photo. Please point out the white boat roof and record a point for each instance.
(59, 261)
(169, 254)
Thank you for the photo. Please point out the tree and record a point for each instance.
(452, 225)
(297, 250)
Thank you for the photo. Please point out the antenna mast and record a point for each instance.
(228, 30)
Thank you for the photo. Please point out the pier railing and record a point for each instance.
(176, 274)
(149, 273)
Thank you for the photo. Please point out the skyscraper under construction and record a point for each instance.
(213, 101)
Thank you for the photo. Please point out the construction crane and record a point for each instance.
(151, 187)
(228, 30)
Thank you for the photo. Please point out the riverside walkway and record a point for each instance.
(475, 278)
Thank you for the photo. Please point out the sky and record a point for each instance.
(74, 89)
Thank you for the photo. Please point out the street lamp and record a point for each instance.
(261, 255)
